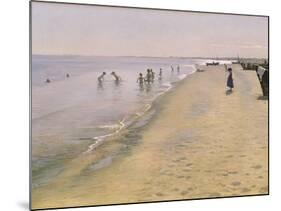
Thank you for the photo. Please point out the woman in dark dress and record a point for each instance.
(229, 82)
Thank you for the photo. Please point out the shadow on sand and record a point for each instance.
(262, 97)
(228, 92)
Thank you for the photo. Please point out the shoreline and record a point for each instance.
(134, 118)
(142, 116)
(200, 143)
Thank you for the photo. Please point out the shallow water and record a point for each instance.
(73, 115)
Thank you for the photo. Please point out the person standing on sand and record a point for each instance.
(229, 82)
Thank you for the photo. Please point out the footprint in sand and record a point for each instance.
(182, 158)
(180, 176)
(183, 193)
(264, 189)
(257, 167)
(187, 177)
(236, 183)
(245, 190)
(181, 145)
(189, 164)
(159, 194)
(232, 172)
(222, 185)
(163, 171)
(175, 189)
(214, 194)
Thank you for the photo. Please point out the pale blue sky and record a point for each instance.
(95, 30)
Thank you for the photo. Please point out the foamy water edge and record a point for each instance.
(121, 124)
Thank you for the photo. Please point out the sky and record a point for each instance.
(67, 29)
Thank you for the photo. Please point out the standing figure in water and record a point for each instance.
(152, 75)
(160, 74)
(140, 79)
(172, 68)
(101, 77)
(116, 77)
(229, 82)
(178, 69)
(148, 76)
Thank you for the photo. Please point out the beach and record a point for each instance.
(198, 141)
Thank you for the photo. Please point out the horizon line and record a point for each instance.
(203, 57)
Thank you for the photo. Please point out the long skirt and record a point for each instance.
(230, 81)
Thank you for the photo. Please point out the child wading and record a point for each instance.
(101, 77)
(140, 79)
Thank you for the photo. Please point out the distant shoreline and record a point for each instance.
(168, 57)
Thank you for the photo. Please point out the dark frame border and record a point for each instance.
(146, 8)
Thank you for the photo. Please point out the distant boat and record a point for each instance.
(236, 62)
(212, 63)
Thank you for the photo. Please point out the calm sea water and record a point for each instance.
(70, 115)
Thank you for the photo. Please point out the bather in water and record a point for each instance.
(101, 77)
(116, 77)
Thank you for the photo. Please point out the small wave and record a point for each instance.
(99, 139)
(118, 127)
(182, 76)
(168, 85)
(125, 122)
(146, 108)
(114, 126)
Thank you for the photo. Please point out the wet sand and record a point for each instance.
(202, 142)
